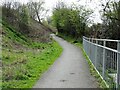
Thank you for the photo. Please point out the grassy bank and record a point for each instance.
(92, 69)
(24, 60)
(21, 69)
(27, 49)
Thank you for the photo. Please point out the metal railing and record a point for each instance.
(106, 60)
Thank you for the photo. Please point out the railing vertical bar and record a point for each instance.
(104, 58)
(111, 58)
(113, 61)
(104, 64)
(113, 65)
(118, 64)
(96, 52)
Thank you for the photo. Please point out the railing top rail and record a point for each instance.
(116, 51)
(102, 39)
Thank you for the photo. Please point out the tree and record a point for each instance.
(24, 14)
(36, 10)
(16, 5)
(111, 19)
(70, 20)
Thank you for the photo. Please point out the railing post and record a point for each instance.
(83, 42)
(118, 65)
(104, 61)
(89, 48)
(96, 54)
(92, 40)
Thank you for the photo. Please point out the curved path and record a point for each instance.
(70, 70)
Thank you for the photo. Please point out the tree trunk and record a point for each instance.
(38, 17)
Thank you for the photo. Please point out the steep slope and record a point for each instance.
(27, 51)
(25, 25)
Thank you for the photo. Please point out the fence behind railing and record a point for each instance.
(105, 58)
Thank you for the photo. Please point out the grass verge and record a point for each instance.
(21, 69)
(93, 71)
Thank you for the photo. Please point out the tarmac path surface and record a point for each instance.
(70, 70)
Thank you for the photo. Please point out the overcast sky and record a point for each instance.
(92, 4)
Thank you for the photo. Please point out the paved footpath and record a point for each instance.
(70, 70)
